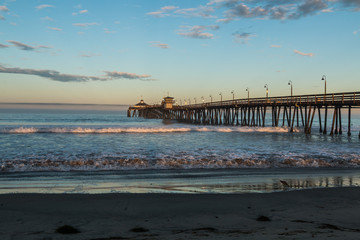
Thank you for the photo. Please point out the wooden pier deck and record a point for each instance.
(290, 111)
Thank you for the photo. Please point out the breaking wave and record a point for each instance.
(113, 163)
(85, 130)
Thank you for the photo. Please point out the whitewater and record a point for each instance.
(85, 130)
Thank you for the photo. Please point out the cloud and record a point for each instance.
(49, 74)
(47, 19)
(55, 29)
(275, 46)
(351, 3)
(3, 46)
(44, 6)
(214, 27)
(277, 9)
(201, 11)
(163, 12)
(125, 75)
(22, 46)
(260, 9)
(244, 11)
(4, 9)
(223, 2)
(304, 54)
(80, 12)
(106, 30)
(310, 7)
(328, 10)
(243, 38)
(79, 6)
(60, 77)
(85, 24)
(160, 45)
(89, 55)
(197, 31)
(169, 8)
(224, 20)
(25, 47)
(278, 13)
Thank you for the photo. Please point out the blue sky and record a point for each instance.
(114, 52)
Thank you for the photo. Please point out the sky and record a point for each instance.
(118, 51)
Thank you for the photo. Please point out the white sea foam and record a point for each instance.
(168, 163)
(89, 130)
(20, 130)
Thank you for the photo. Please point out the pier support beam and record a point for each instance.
(340, 122)
(349, 122)
(319, 112)
(333, 122)
(325, 119)
(336, 120)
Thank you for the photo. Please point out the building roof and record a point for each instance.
(141, 103)
(168, 97)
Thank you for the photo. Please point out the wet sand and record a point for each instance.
(326, 213)
(212, 181)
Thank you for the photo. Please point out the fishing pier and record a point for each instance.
(289, 111)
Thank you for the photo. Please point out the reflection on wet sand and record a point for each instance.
(170, 182)
(337, 181)
(276, 185)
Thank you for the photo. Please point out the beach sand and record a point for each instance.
(327, 213)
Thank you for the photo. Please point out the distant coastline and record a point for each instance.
(63, 106)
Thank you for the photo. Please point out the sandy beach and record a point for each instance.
(327, 213)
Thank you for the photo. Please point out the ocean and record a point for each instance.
(75, 151)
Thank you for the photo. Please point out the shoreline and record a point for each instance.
(179, 180)
(326, 213)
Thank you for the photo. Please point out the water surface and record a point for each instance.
(96, 144)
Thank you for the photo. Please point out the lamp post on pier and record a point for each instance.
(324, 79)
(202, 99)
(291, 85)
(232, 92)
(210, 98)
(248, 91)
(291, 89)
(267, 90)
(221, 98)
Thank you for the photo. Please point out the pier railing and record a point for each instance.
(348, 98)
